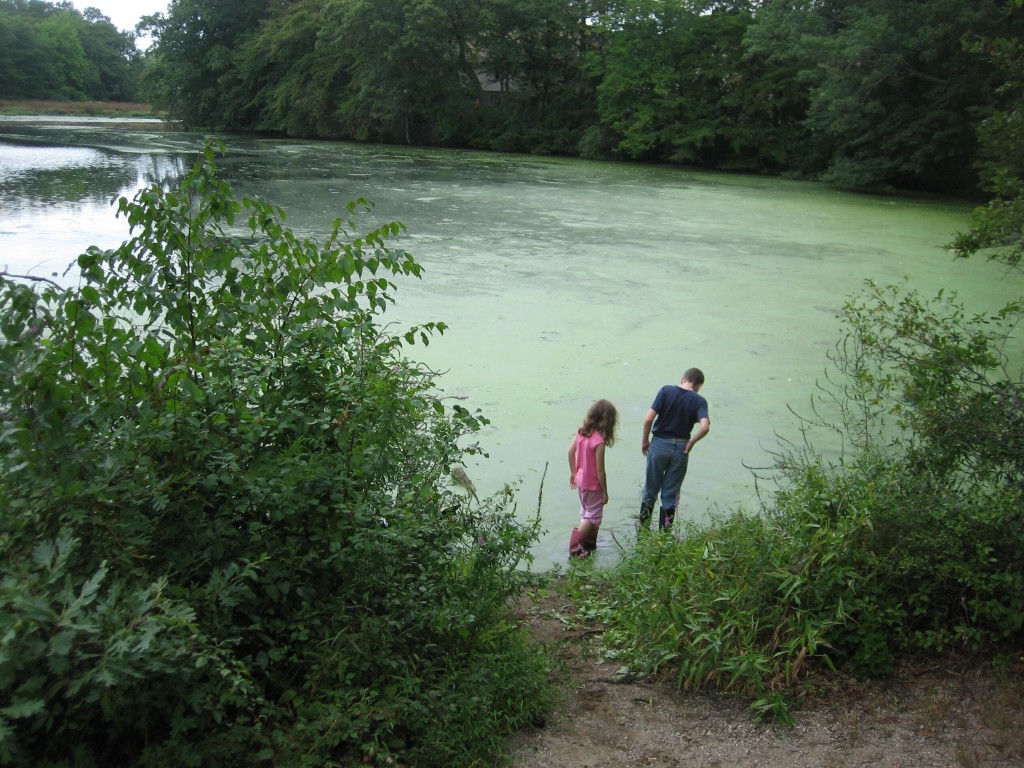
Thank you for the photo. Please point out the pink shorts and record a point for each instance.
(591, 506)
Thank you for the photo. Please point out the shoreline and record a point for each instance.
(82, 108)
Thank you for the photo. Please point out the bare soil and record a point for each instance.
(947, 713)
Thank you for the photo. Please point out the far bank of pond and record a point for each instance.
(91, 108)
(562, 281)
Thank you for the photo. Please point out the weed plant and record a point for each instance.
(227, 527)
(911, 544)
(735, 606)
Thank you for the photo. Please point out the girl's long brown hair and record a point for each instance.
(601, 417)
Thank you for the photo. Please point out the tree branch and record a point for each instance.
(33, 278)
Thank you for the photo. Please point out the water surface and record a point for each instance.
(562, 281)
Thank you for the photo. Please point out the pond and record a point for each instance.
(562, 281)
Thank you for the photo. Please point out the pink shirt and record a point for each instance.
(586, 461)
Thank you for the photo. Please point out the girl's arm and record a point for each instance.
(602, 478)
(572, 461)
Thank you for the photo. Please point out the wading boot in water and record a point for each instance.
(665, 520)
(643, 520)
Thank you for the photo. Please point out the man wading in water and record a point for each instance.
(674, 412)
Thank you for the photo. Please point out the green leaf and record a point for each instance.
(23, 709)
(61, 643)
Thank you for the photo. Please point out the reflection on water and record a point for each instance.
(561, 280)
(57, 200)
(41, 177)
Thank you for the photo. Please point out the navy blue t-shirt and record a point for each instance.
(678, 410)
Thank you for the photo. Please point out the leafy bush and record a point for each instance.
(933, 412)
(912, 543)
(934, 570)
(738, 606)
(228, 533)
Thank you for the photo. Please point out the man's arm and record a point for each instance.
(702, 430)
(645, 443)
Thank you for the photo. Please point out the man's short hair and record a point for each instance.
(694, 376)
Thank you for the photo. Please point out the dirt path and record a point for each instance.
(924, 717)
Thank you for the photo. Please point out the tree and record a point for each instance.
(997, 228)
(668, 70)
(779, 72)
(863, 94)
(411, 66)
(190, 69)
(536, 51)
(113, 55)
(55, 52)
(298, 81)
(931, 399)
(637, 72)
(899, 92)
(21, 59)
(59, 37)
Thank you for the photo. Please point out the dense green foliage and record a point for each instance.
(912, 542)
(736, 606)
(865, 93)
(997, 228)
(53, 51)
(862, 93)
(227, 531)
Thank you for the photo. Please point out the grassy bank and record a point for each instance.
(91, 108)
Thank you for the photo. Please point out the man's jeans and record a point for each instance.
(666, 468)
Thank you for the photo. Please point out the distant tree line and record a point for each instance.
(864, 93)
(53, 51)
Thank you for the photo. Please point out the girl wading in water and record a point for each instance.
(587, 475)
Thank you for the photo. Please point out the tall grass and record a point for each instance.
(735, 606)
(851, 567)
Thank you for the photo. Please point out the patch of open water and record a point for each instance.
(561, 280)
